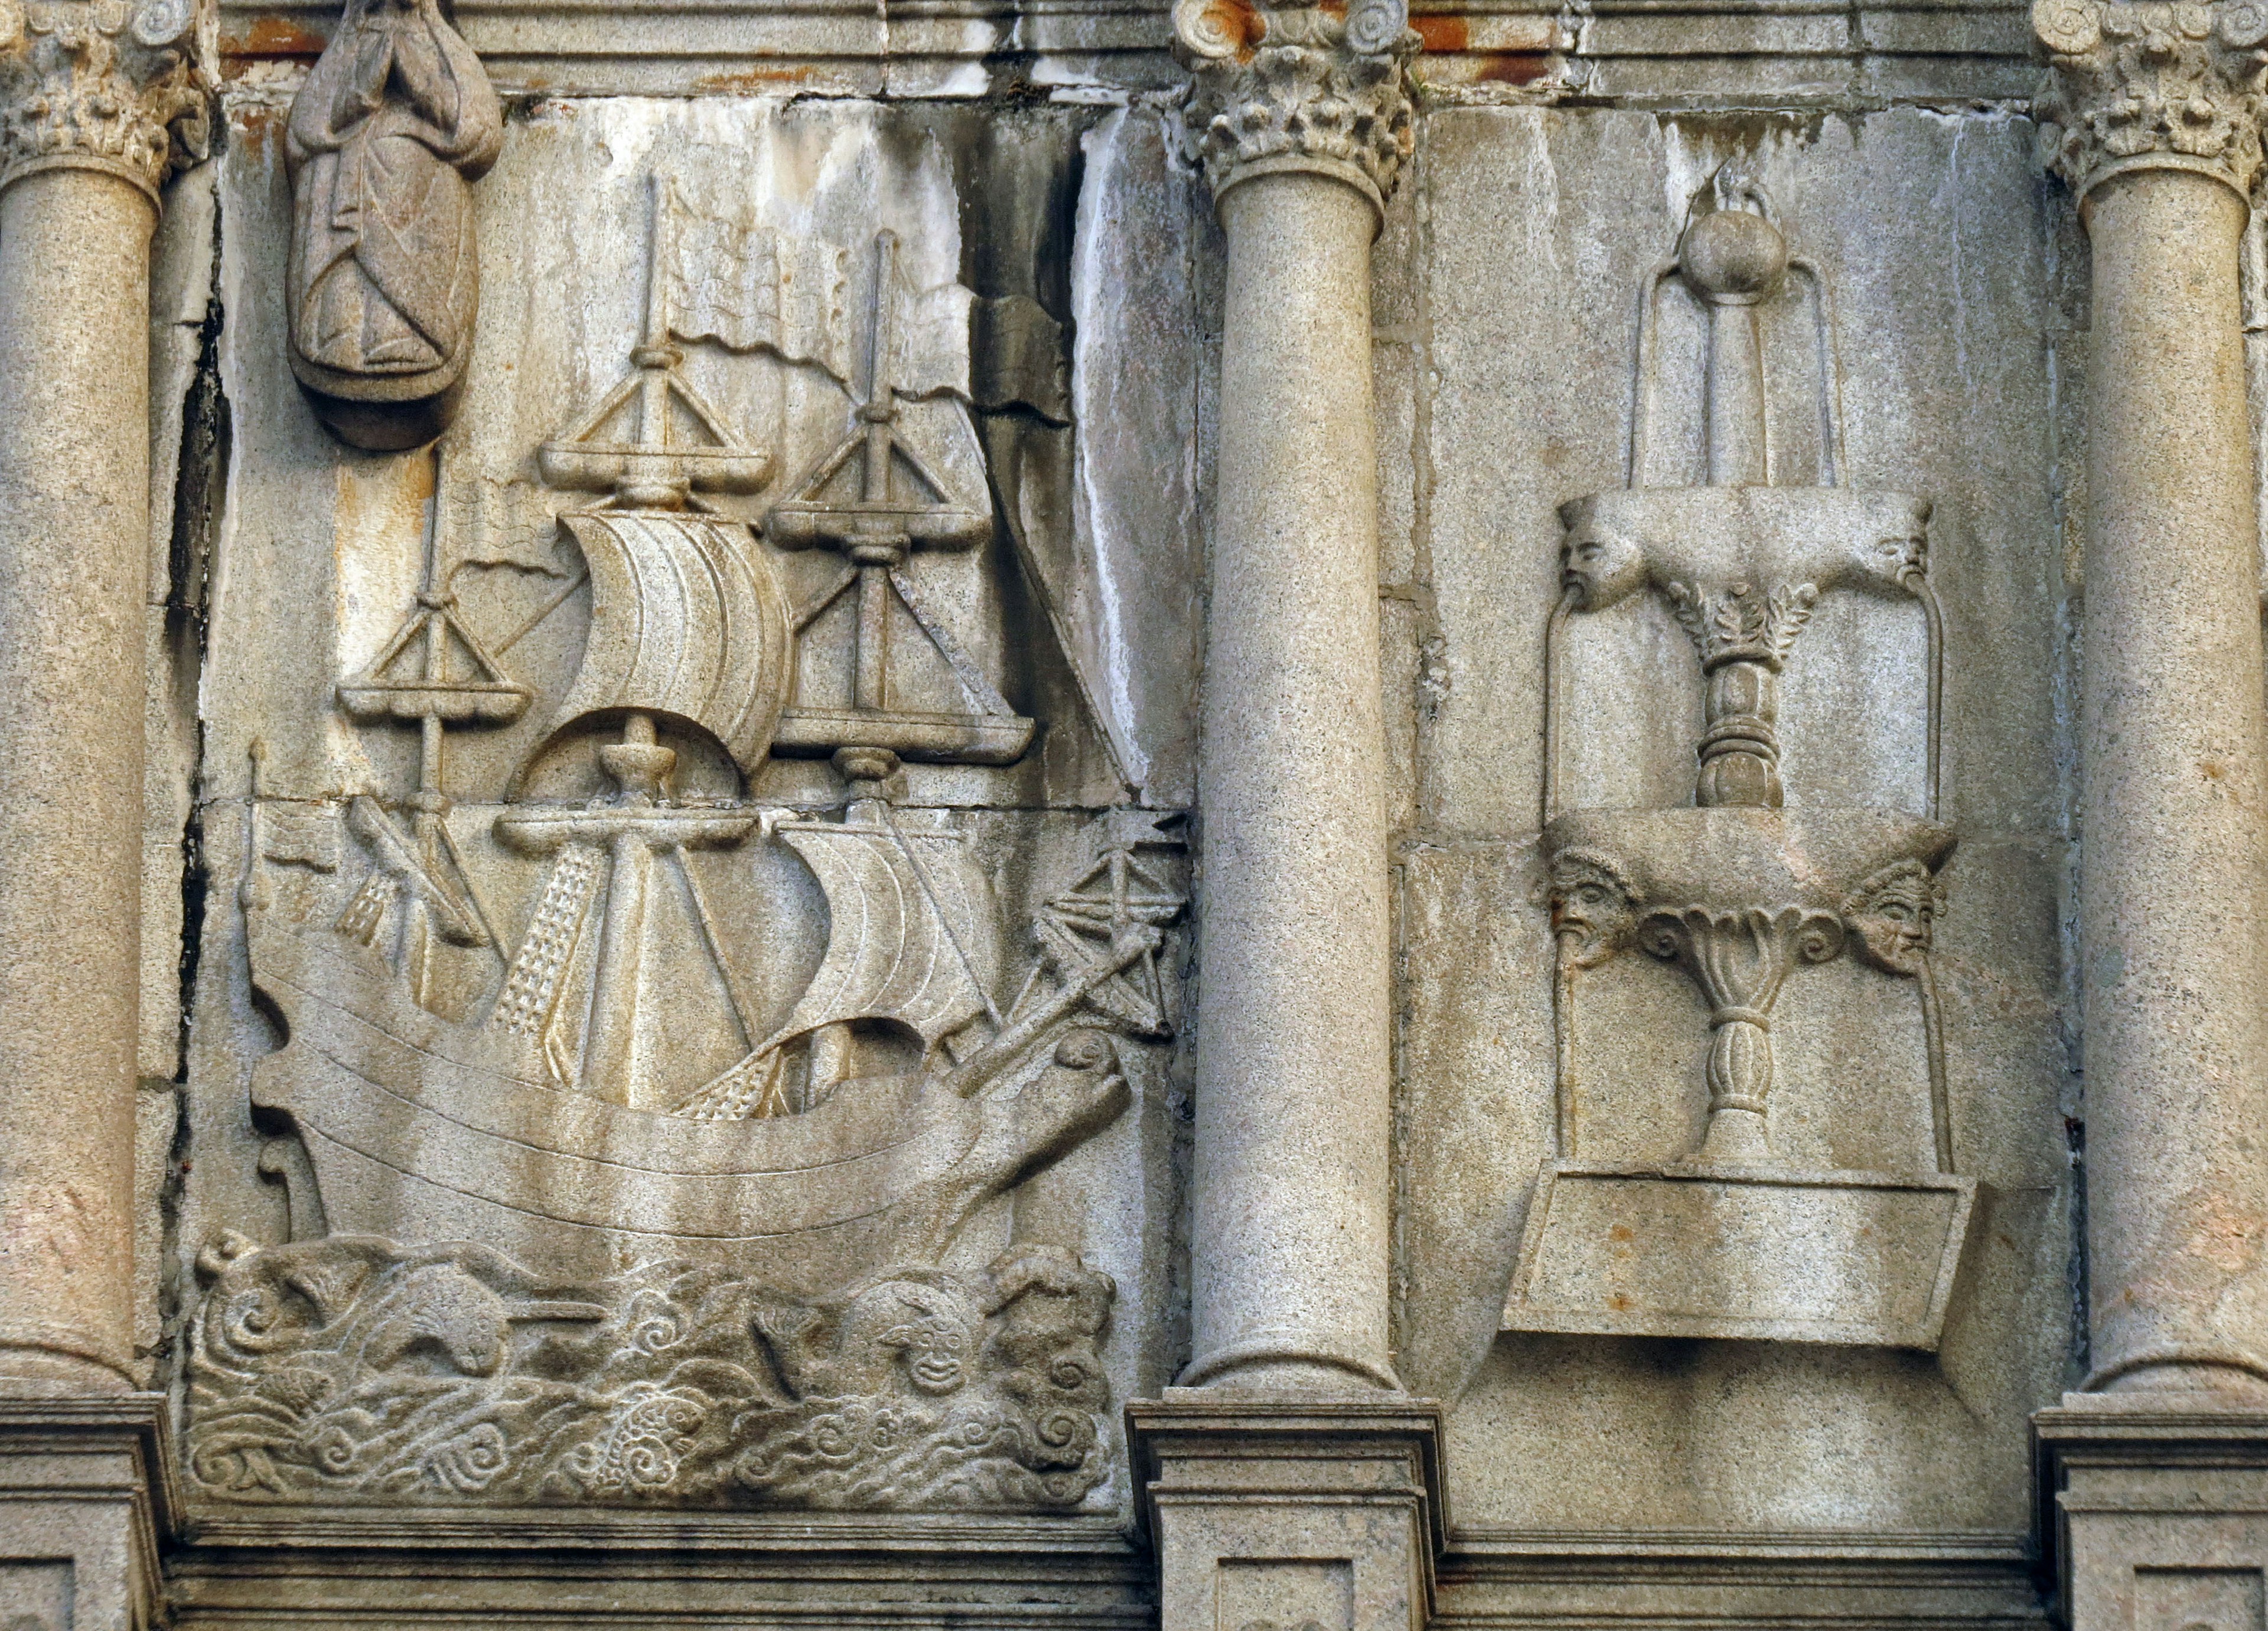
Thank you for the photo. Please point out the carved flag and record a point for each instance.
(751, 287)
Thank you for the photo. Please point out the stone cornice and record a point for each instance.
(1297, 87)
(96, 84)
(2148, 85)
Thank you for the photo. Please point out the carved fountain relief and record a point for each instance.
(641, 1270)
(1745, 888)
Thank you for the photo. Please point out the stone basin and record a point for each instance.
(1728, 858)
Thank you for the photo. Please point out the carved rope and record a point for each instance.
(2138, 84)
(1297, 87)
(92, 84)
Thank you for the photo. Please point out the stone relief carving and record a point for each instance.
(355, 1369)
(494, 1044)
(1301, 85)
(394, 124)
(1739, 890)
(2137, 83)
(96, 84)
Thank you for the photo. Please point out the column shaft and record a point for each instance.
(1293, 1069)
(74, 525)
(2174, 879)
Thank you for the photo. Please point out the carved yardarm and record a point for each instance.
(1298, 88)
(394, 124)
(2139, 86)
(353, 1370)
(90, 85)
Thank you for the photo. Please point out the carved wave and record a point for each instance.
(352, 1369)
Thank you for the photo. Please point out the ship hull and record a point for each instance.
(420, 1129)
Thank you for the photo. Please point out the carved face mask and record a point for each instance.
(936, 1347)
(1894, 915)
(1592, 904)
(1604, 565)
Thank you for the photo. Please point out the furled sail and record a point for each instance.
(686, 619)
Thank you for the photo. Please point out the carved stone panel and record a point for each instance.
(1746, 887)
(715, 1014)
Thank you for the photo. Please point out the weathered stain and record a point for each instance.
(1237, 20)
(754, 77)
(1442, 33)
(269, 38)
(1513, 67)
(257, 126)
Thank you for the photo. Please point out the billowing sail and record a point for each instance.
(903, 940)
(911, 939)
(686, 619)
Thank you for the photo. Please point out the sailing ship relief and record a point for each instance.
(556, 1122)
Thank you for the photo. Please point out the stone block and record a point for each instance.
(2153, 1512)
(1859, 1259)
(86, 1499)
(1282, 1512)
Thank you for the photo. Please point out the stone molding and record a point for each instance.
(91, 1481)
(1284, 1481)
(1297, 88)
(2149, 1495)
(2137, 85)
(89, 84)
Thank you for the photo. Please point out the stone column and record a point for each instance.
(1303, 120)
(2158, 132)
(1291, 1481)
(90, 97)
(96, 100)
(2153, 114)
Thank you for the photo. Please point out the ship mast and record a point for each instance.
(646, 534)
(422, 871)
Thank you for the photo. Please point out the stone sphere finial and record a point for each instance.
(1733, 256)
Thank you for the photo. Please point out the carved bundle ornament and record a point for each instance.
(1298, 88)
(2152, 87)
(94, 85)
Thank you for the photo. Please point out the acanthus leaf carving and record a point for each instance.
(1300, 86)
(2144, 84)
(90, 85)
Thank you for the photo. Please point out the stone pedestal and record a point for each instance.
(1290, 1513)
(2154, 1512)
(87, 1495)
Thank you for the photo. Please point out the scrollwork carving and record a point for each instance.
(92, 84)
(1740, 959)
(2143, 83)
(353, 1370)
(1300, 87)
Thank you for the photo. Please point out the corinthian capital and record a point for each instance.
(1298, 88)
(104, 85)
(2146, 85)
